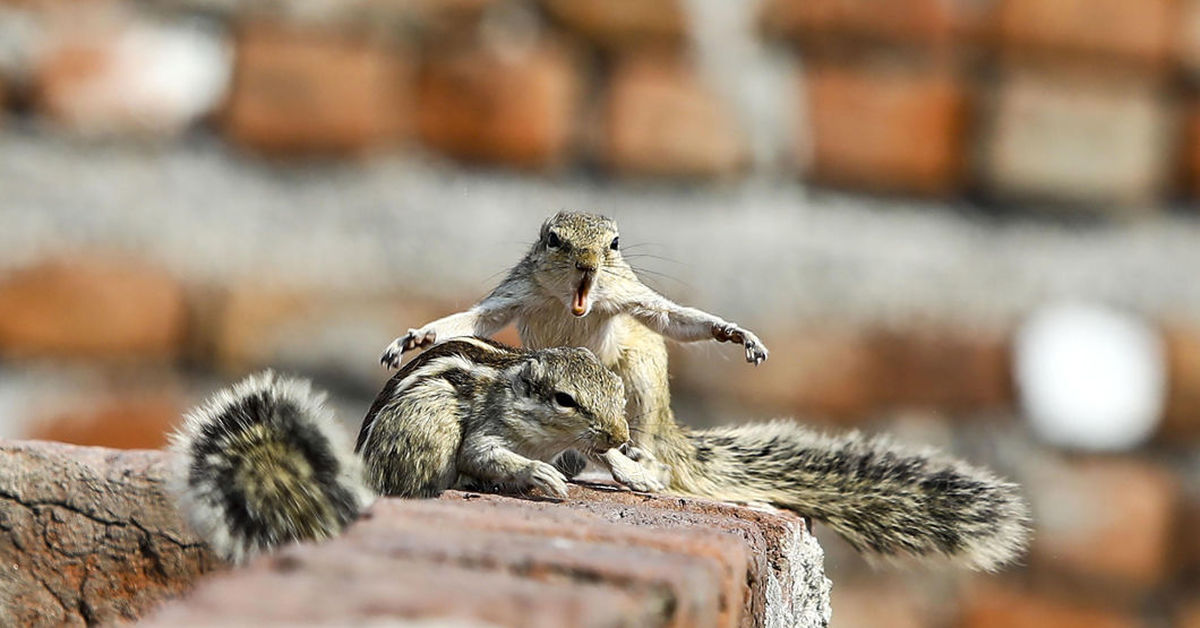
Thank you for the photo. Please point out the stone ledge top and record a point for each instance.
(602, 557)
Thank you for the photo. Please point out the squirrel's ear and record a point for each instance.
(531, 371)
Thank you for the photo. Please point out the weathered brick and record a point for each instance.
(91, 307)
(88, 535)
(1186, 548)
(829, 374)
(622, 23)
(361, 587)
(127, 420)
(1188, 615)
(339, 335)
(1105, 523)
(1188, 35)
(512, 107)
(947, 369)
(844, 373)
(1071, 137)
(1181, 418)
(784, 582)
(301, 89)
(877, 606)
(1138, 30)
(603, 557)
(903, 21)
(1000, 606)
(884, 129)
(597, 559)
(662, 119)
(1189, 149)
(111, 74)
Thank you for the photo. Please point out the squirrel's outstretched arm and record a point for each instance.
(483, 319)
(687, 324)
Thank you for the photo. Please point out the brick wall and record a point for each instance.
(92, 537)
(1065, 103)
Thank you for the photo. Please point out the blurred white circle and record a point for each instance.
(1090, 377)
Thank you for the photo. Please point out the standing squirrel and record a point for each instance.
(573, 288)
(265, 463)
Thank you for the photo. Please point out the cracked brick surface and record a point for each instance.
(603, 557)
(90, 537)
(87, 535)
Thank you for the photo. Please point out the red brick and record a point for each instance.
(775, 541)
(1181, 419)
(1188, 35)
(510, 107)
(360, 587)
(839, 373)
(602, 558)
(622, 23)
(1186, 551)
(663, 120)
(997, 606)
(1188, 615)
(1095, 141)
(300, 89)
(884, 129)
(311, 332)
(903, 21)
(91, 307)
(1190, 148)
(95, 74)
(130, 421)
(828, 374)
(877, 606)
(88, 535)
(1136, 30)
(944, 369)
(1105, 523)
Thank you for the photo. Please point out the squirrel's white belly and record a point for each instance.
(550, 325)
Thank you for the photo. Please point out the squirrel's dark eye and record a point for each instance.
(565, 400)
(616, 244)
(553, 241)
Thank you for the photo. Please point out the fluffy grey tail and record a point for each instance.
(883, 498)
(264, 463)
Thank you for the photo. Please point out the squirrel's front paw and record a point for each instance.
(544, 477)
(756, 351)
(638, 475)
(414, 339)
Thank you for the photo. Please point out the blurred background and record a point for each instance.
(969, 223)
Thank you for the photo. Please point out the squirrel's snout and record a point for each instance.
(586, 266)
(613, 441)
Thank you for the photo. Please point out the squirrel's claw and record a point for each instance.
(756, 351)
(545, 477)
(414, 339)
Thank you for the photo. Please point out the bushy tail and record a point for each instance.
(264, 463)
(881, 497)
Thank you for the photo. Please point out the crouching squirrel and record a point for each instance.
(265, 462)
(574, 288)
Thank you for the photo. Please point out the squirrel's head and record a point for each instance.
(573, 253)
(571, 401)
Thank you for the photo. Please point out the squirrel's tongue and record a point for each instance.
(579, 305)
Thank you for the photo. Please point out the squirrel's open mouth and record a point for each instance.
(580, 305)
